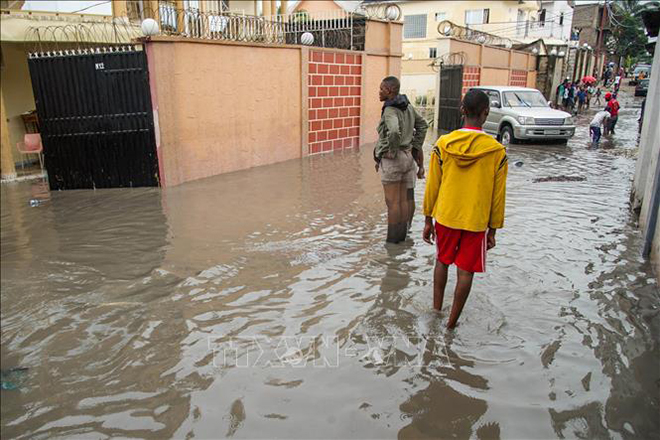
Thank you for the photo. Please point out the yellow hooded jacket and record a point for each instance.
(466, 183)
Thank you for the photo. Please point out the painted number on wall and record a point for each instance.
(100, 66)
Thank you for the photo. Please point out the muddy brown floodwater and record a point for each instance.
(264, 304)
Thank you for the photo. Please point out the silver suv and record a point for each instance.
(523, 113)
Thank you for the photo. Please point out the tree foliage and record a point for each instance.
(628, 38)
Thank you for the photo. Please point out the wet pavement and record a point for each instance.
(264, 304)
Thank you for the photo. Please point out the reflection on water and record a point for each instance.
(263, 303)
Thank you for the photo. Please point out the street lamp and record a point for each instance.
(149, 27)
(553, 52)
(307, 39)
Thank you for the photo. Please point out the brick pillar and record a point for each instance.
(334, 100)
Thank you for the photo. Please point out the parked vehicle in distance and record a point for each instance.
(642, 87)
(641, 71)
(518, 113)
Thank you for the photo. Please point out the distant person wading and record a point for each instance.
(401, 133)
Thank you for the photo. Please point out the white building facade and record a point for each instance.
(554, 21)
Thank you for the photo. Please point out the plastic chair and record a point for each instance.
(32, 145)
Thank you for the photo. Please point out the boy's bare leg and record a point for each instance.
(439, 283)
(463, 286)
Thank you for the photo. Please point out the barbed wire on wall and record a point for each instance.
(449, 29)
(336, 29)
(380, 11)
(328, 29)
(451, 58)
(80, 36)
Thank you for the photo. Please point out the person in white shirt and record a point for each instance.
(600, 119)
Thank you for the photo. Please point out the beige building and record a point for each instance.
(420, 32)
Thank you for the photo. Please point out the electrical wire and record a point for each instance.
(91, 6)
(612, 16)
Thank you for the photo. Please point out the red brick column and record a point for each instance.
(518, 78)
(471, 78)
(334, 91)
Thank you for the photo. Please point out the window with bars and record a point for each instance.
(218, 6)
(542, 17)
(414, 26)
(477, 16)
(433, 52)
(167, 13)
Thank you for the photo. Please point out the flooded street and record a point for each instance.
(264, 304)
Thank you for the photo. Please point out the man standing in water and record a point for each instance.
(401, 129)
(613, 107)
(465, 194)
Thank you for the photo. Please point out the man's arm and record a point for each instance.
(393, 129)
(418, 142)
(420, 132)
(499, 194)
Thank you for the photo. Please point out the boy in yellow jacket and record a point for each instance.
(465, 194)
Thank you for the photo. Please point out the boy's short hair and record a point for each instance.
(475, 102)
(393, 83)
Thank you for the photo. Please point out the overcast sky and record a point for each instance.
(104, 6)
(95, 7)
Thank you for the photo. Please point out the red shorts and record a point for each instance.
(466, 249)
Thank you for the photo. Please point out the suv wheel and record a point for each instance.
(506, 135)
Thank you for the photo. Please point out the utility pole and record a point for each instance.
(601, 56)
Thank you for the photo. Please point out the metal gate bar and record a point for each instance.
(449, 99)
(96, 120)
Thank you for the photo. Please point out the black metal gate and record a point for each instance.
(449, 101)
(95, 118)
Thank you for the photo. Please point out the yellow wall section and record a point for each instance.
(17, 92)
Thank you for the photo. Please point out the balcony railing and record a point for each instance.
(339, 29)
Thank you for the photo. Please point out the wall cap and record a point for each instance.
(179, 39)
(442, 38)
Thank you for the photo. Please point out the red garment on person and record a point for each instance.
(466, 249)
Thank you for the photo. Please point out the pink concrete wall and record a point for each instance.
(519, 60)
(224, 107)
(488, 65)
(494, 77)
(531, 79)
(494, 57)
(221, 106)
(314, 6)
(377, 70)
